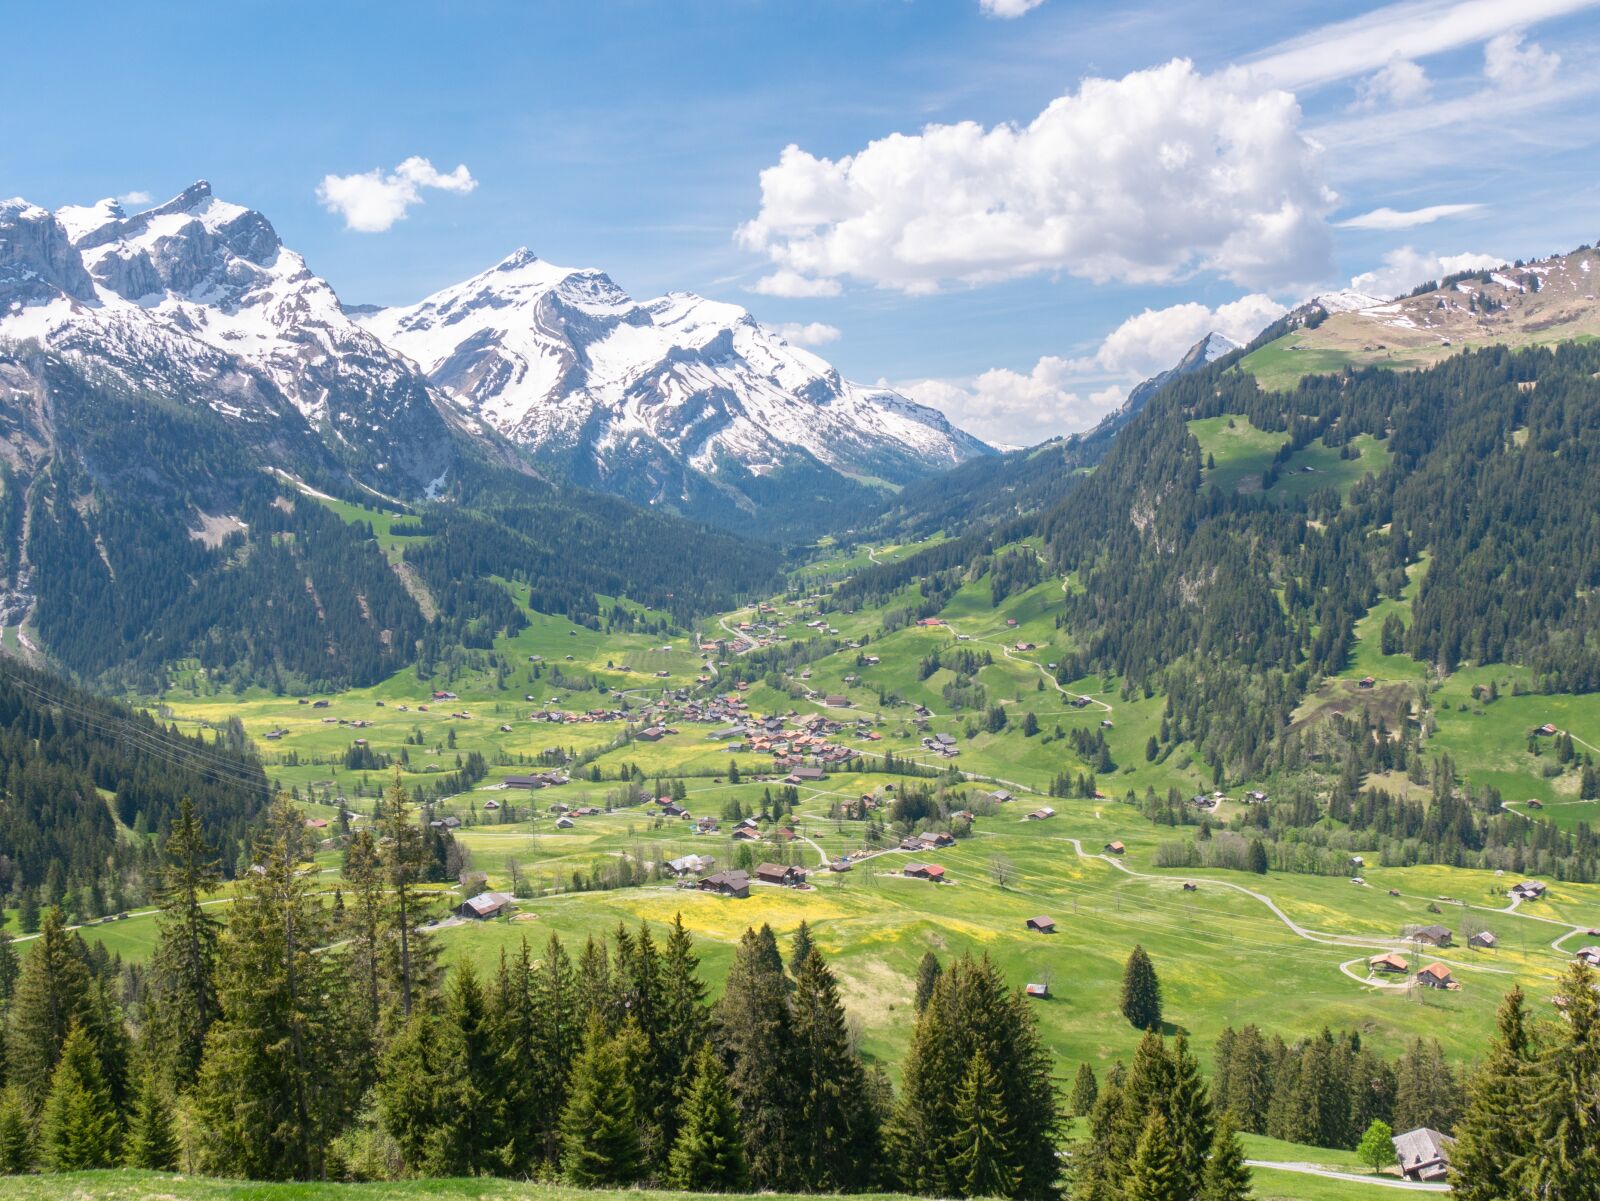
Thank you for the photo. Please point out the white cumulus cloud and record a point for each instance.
(1060, 395)
(1508, 63)
(1388, 218)
(1405, 268)
(1154, 340)
(1008, 8)
(1142, 179)
(1013, 408)
(1399, 82)
(793, 285)
(809, 333)
(134, 198)
(372, 201)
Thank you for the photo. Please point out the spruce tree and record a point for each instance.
(420, 1094)
(754, 1031)
(682, 1024)
(1563, 1161)
(151, 1143)
(800, 946)
(1227, 1177)
(412, 959)
(268, 1097)
(1188, 1108)
(928, 972)
(16, 1133)
(1141, 992)
(183, 991)
(10, 966)
(835, 1127)
(1085, 1088)
(79, 1127)
(558, 1011)
(708, 1155)
(599, 1128)
(53, 991)
(1154, 1174)
(1494, 1137)
(972, 1009)
(980, 1147)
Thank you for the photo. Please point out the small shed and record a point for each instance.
(1042, 925)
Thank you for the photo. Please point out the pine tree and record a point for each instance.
(928, 971)
(1141, 992)
(979, 1150)
(599, 1128)
(800, 946)
(560, 1021)
(16, 1133)
(682, 1024)
(1085, 1088)
(412, 959)
(79, 1127)
(269, 1098)
(1227, 1177)
(1376, 1147)
(1154, 1174)
(708, 1155)
(152, 1143)
(1188, 1108)
(754, 1030)
(1494, 1137)
(836, 1130)
(52, 992)
(420, 1094)
(1564, 1153)
(183, 991)
(480, 1079)
(971, 1009)
(9, 969)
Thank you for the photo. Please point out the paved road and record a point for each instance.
(1311, 1169)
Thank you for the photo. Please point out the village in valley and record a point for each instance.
(799, 762)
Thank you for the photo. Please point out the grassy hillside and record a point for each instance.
(1545, 302)
(1234, 950)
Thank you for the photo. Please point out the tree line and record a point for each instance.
(304, 1039)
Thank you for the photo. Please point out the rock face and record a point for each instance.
(680, 400)
(199, 298)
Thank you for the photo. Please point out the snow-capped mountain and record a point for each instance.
(199, 298)
(657, 399)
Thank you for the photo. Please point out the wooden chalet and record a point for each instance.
(1115, 847)
(1042, 925)
(781, 874)
(1038, 992)
(1431, 936)
(486, 905)
(1423, 1154)
(1389, 963)
(924, 871)
(727, 884)
(1436, 975)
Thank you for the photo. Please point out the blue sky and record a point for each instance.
(931, 228)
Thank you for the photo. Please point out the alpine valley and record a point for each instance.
(535, 734)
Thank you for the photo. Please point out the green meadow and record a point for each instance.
(1285, 951)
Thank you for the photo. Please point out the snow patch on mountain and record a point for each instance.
(562, 359)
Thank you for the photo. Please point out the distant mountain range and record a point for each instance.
(678, 401)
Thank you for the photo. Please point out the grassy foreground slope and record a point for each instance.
(1270, 1185)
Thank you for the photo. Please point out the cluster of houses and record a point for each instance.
(1528, 890)
(693, 871)
(943, 745)
(1435, 975)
